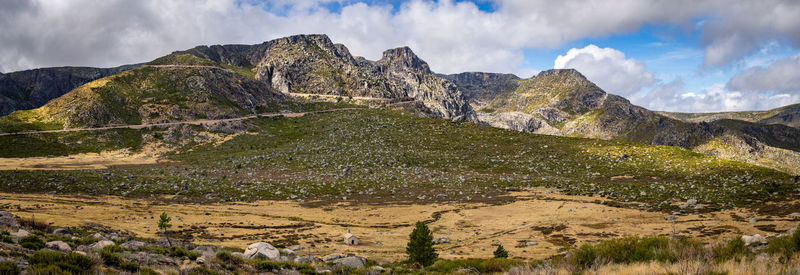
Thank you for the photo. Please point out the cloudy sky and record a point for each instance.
(673, 55)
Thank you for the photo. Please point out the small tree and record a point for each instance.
(420, 245)
(500, 252)
(163, 222)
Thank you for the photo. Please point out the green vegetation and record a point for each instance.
(163, 222)
(480, 266)
(634, 249)
(129, 267)
(51, 262)
(32, 242)
(500, 252)
(785, 246)
(9, 267)
(420, 245)
(110, 258)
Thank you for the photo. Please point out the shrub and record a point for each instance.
(202, 271)
(52, 262)
(786, 246)
(129, 267)
(9, 267)
(500, 252)
(633, 249)
(180, 253)
(420, 245)
(113, 248)
(226, 257)
(31, 242)
(732, 249)
(494, 265)
(109, 258)
(147, 271)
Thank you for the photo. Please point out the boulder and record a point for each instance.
(21, 233)
(289, 252)
(262, 251)
(62, 231)
(163, 242)
(98, 236)
(531, 243)
(201, 260)
(757, 238)
(352, 261)
(238, 254)
(331, 257)
(101, 244)
(133, 245)
(305, 259)
(58, 246)
(7, 219)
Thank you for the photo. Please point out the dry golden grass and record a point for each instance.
(539, 215)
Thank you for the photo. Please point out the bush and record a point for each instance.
(226, 257)
(180, 253)
(202, 271)
(420, 245)
(633, 249)
(113, 248)
(786, 246)
(494, 265)
(52, 262)
(9, 267)
(129, 267)
(110, 259)
(500, 252)
(732, 249)
(147, 271)
(31, 242)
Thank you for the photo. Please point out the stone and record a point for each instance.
(7, 219)
(133, 245)
(352, 261)
(163, 242)
(62, 231)
(261, 251)
(757, 238)
(98, 236)
(288, 252)
(201, 260)
(691, 202)
(238, 254)
(331, 257)
(671, 218)
(531, 243)
(753, 220)
(296, 248)
(58, 246)
(305, 259)
(101, 244)
(441, 240)
(22, 233)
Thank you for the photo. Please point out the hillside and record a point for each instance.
(787, 115)
(31, 89)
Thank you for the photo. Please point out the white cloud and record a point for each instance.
(672, 97)
(781, 76)
(608, 68)
(451, 36)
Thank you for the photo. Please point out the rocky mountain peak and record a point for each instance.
(402, 58)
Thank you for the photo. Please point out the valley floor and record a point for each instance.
(539, 224)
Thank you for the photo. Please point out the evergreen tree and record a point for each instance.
(420, 245)
(163, 222)
(500, 252)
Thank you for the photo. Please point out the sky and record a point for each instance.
(666, 55)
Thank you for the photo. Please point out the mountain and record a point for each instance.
(563, 102)
(787, 115)
(479, 87)
(31, 89)
(313, 64)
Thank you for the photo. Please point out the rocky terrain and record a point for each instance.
(564, 102)
(31, 89)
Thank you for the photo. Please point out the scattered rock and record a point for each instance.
(7, 219)
(352, 261)
(62, 231)
(671, 218)
(101, 244)
(305, 259)
(262, 251)
(21, 233)
(441, 240)
(531, 243)
(331, 257)
(133, 245)
(58, 246)
(691, 202)
(753, 239)
(201, 260)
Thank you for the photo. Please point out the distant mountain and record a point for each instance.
(31, 89)
(786, 115)
(565, 103)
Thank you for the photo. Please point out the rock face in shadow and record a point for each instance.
(31, 89)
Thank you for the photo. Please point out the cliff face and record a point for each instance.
(33, 88)
(481, 87)
(313, 64)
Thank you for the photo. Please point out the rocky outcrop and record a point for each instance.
(313, 64)
(262, 251)
(519, 122)
(31, 89)
(480, 87)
